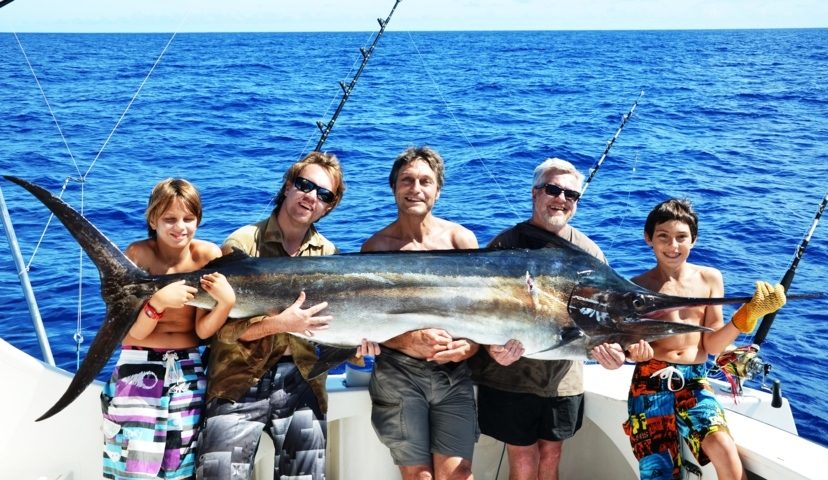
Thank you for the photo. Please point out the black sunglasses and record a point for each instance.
(304, 185)
(553, 191)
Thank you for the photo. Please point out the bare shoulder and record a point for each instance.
(142, 252)
(384, 240)
(462, 237)
(203, 251)
(646, 280)
(712, 278)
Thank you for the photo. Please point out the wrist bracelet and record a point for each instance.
(151, 312)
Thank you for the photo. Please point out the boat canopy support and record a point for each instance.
(28, 293)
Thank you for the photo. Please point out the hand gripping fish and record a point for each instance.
(558, 302)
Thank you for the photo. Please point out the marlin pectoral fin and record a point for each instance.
(119, 320)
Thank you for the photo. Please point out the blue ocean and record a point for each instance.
(734, 120)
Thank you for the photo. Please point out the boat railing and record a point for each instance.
(28, 293)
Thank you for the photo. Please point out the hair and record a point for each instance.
(557, 166)
(164, 194)
(679, 209)
(329, 162)
(424, 153)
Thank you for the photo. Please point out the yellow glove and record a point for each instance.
(767, 299)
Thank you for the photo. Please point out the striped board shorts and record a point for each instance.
(151, 412)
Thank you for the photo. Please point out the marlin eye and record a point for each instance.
(638, 303)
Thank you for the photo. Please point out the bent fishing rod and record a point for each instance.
(595, 166)
(767, 321)
(347, 88)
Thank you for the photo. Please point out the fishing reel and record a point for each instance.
(741, 364)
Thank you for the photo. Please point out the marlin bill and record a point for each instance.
(558, 302)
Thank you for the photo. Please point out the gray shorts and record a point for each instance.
(421, 408)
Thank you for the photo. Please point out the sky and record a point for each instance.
(411, 15)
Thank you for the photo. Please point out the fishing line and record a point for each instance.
(629, 194)
(131, 101)
(48, 105)
(476, 155)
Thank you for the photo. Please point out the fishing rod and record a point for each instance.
(768, 319)
(326, 128)
(595, 166)
(3, 3)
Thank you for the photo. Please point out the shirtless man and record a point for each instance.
(670, 396)
(421, 380)
(159, 374)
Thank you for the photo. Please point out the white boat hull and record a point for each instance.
(68, 445)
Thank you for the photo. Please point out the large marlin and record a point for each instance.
(558, 302)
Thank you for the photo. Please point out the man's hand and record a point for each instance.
(506, 354)
(367, 348)
(298, 320)
(455, 351)
(609, 355)
(767, 299)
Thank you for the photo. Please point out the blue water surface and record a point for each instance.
(735, 120)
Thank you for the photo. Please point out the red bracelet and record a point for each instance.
(151, 312)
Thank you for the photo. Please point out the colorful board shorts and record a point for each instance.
(668, 402)
(283, 405)
(151, 411)
(421, 407)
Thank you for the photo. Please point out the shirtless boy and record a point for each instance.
(159, 375)
(670, 397)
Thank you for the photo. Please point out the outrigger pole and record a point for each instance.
(767, 321)
(595, 166)
(347, 88)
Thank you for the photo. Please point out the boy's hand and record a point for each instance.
(767, 299)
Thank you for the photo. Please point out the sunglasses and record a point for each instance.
(553, 191)
(304, 185)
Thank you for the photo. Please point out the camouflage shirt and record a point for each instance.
(236, 365)
(545, 378)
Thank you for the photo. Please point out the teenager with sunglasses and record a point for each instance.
(257, 371)
(534, 405)
(422, 394)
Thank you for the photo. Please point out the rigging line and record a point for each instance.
(78, 336)
(48, 105)
(629, 195)
(767, 321)
(46, 227)
(476, 155)
(594, 168)
(131, 101)
(348, 88)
